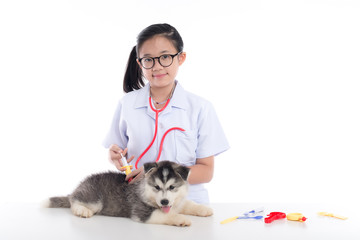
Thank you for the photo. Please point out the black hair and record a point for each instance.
(133, 78)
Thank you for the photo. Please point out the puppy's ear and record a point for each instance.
(183, 171)
(149, 166)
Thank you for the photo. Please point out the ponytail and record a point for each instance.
(133, 78)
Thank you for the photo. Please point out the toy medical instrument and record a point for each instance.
(156, 129)
(125, 164)
(246, 215)
(255, 211)
(296, 217)
(274, 216)
(229, 220)
(332, 215)
(249, 217)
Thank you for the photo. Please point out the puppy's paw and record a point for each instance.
(180, 221)
(173, 219)
(203, 211)
(81, 211)
(192, 208)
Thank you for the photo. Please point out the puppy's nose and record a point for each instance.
(164, 202)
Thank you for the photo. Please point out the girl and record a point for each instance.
(185, 130)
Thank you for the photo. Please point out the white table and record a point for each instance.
(30, 221)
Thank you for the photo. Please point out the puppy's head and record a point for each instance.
(166, 184)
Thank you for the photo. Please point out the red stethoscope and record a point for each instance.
(156, 128)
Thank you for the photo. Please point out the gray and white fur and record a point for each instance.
(158, 198)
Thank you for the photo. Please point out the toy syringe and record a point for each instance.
(246, 215)
(125, 165)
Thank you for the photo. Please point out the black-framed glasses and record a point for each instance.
(164, 60)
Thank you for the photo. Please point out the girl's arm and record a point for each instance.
(202, 171)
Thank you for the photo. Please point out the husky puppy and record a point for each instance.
(158, 198)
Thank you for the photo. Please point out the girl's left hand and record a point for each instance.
(136, 175)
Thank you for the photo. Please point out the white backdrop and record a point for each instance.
(283, 76)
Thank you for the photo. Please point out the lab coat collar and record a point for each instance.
(142, 98)
(178, 99)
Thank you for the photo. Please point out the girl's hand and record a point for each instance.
(115, 156)
(136, 175)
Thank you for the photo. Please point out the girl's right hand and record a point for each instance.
(115, 156)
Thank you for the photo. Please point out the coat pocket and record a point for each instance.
(186, 145)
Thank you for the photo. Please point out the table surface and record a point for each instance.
(31, 221)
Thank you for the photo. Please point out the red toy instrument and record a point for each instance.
(274, 216)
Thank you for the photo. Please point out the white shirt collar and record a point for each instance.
(178, 99)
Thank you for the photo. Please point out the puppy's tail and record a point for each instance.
(57, 202)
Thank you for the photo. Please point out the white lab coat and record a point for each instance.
(133, 127)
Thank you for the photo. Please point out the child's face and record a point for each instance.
(160, 76)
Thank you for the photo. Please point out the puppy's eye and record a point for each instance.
(171, 187)
(157, 187)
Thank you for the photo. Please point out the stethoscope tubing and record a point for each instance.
(155, 134)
